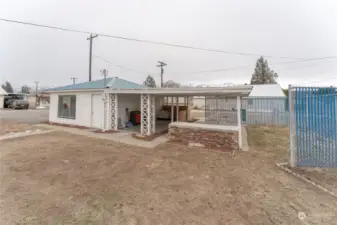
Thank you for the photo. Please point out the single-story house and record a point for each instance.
(82, 104)
(106, 104)
(2, 97)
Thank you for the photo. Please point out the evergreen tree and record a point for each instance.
(263, 74)
(150, 82)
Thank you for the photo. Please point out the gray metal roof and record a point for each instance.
(110, 82)
(2, 91)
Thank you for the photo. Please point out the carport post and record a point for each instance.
(172, 110)
(187, 104)
(177, 109)
(238, 102)
(291, 126)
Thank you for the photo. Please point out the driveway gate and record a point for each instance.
(313, 132)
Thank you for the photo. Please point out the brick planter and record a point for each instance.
(206, 138)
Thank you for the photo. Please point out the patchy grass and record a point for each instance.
(58, 178)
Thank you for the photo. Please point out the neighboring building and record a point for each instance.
(265, 98)
(265, 104)
(266, 91)
(2, 97)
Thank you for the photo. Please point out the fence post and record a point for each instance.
(238, 106)
(291, 126)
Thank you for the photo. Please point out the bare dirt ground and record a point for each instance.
(8, 126)
(324, 177)
(58, 178)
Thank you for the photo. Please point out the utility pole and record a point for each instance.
(161, 65)
(90, 53)
(104, 73)
(74, 79)
(36, 95)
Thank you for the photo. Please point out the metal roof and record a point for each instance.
(2, 91)
(239, 90)
(264, 90)
(110, 82)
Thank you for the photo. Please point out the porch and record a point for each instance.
(151, 101)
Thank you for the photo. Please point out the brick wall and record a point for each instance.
(220, 140)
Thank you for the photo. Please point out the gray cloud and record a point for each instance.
(302, 29)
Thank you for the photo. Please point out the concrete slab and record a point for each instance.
(120, 137)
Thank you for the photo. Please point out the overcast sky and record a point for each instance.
(287, 28)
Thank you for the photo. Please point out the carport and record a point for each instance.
(147, 98)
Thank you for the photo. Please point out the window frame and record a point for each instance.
(61, 101)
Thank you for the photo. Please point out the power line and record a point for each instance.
(145, 41)
(241, 67)
(119, 66)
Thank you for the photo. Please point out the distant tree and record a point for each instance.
(25, 89)
(7, 87)
(285, 91)
(150, 82)
(172, 84)
(263, 74)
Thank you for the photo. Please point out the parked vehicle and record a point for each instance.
(16, 101)
(19, 104)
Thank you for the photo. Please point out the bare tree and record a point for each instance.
(171, 84)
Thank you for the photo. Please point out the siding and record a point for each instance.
(132, 102)
(83, 109)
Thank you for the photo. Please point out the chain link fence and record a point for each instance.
(254, 110)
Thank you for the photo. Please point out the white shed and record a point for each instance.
(84, 105)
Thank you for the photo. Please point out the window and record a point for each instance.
(250, 101)
(67, 106)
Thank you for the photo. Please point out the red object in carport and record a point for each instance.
(135, 117)
(138, 118)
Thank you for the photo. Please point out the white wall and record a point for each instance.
(83, 109)
(2, 98)
(131, 101)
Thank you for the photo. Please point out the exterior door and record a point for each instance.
(97, 111)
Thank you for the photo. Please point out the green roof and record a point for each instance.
(110, 82)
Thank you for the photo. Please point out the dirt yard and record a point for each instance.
(8, 126)
(324, 177)
(58, 178)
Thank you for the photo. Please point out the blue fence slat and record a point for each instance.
(316, 126)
